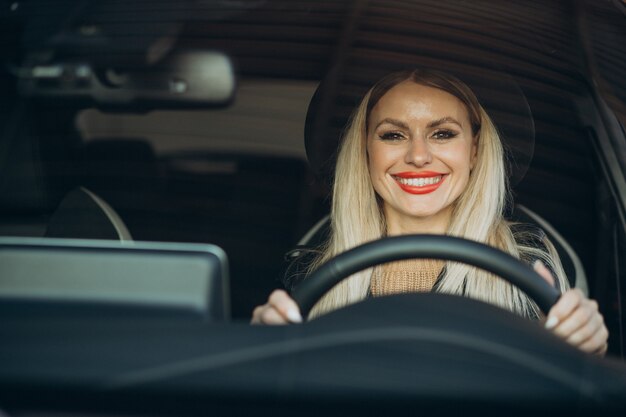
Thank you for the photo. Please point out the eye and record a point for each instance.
(444, 134)
(391, 136)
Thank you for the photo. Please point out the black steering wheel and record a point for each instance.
(423, 246)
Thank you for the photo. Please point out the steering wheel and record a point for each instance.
(423, 246)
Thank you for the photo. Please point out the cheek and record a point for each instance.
(375, 160)
(382, 157)
(459, 159)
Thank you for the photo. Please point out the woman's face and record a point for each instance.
(420, 152)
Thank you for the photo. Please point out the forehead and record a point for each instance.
(415, 101)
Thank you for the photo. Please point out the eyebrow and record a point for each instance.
(396, 122)
(443, 120)
(434, 123)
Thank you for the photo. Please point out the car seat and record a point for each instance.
(84, 215)
(125, 173)
(35, 200)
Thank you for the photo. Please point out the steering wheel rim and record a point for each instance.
(403, 247)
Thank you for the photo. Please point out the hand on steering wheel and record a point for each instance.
(574, 317)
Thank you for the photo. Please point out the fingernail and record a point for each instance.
(294, 316)
(538, 265)
(551, 322)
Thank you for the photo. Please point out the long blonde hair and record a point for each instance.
(357, 216)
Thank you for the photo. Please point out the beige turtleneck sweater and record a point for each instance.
(413, 275)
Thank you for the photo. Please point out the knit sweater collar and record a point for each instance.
(413, 275)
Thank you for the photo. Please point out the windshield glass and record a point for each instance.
(219, 122)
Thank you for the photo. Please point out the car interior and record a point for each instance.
(216, 130)
(181, 175)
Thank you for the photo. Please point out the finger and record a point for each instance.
(285, 305)
(256, 315)
(543, 271)
(568, 302)
(597, 344)
(272, 316)
(581, 335)
(581, 317)
(601, 351)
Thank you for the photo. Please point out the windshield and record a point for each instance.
(196, 175)
(219, 123)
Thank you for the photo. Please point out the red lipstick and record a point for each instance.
(412, 187)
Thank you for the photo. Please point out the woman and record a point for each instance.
(422, 156)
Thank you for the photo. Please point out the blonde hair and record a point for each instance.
(357, 217)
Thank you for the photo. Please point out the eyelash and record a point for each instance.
(440, 135)
(391, 136)
(447, 134)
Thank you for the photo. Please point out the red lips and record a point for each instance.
(419, 189)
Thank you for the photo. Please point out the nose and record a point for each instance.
(418, 153)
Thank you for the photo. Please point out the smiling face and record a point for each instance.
(420, 153)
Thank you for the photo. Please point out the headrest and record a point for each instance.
(337, 96)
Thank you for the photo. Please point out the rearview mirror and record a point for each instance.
(183, 79)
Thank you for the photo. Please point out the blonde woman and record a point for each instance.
(421, 156)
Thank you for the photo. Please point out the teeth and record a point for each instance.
(419, 182)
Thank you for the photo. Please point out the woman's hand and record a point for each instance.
(279, 309)
(576, 319)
